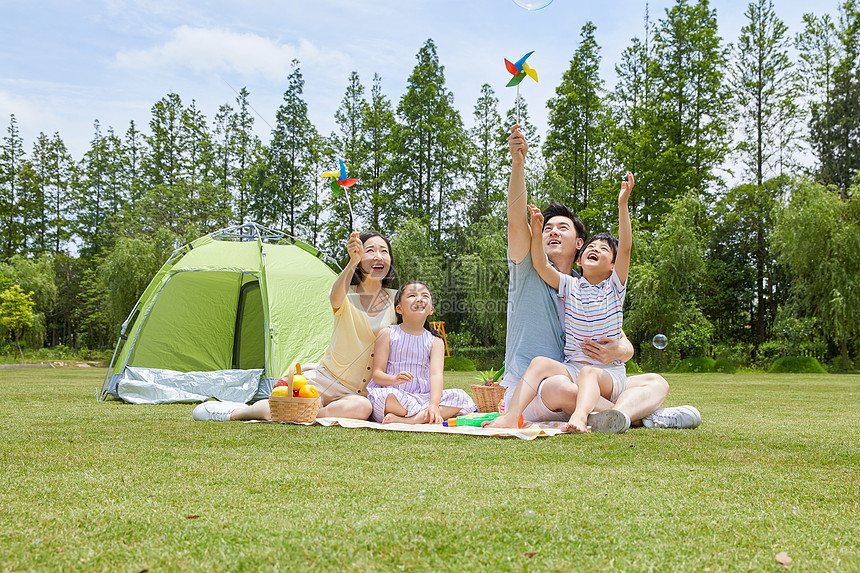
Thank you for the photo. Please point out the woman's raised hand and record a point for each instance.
(353, 247)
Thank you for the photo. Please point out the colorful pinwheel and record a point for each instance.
(340, 182)
(520, 69)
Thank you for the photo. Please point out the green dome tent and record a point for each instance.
(224, 317)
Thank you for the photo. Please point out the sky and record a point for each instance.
(66, 63)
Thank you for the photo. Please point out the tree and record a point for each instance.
(11, 159)
(487, 158)
(289, 154)
(693, 100)
(430, 144)
(743, 286)
(667, 272)
(16, 312)
(351, 147)
(577, 139)
(47, 197)
(835, 123)
(823, 271)
(766, 90)
(100, 197)
(379, 123)
(635, 141)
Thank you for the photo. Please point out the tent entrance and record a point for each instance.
(249, 339)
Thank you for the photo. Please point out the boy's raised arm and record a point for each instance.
(625, 231)
(549, 274)
(518, 228)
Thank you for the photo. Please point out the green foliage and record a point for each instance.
(130, 267)
(493, 376)
(577, 142)
(824, 270)
(725, 366)
(16, 312)
(633, 368)
(484, 357)
(796, 365)
(692, 338)
(459, 364)
(698, 365)
(430, 146)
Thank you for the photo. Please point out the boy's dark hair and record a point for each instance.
(358, 275)
(559, 210)
(399, 295)
(610, 240)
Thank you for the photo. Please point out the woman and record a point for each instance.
(362, 306)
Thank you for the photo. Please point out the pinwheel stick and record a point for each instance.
(351, 215)
(518, 103)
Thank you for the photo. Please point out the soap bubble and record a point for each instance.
(660, 341)
(422, 494)
(529, 514)
(532, 5)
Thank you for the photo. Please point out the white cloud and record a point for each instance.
(216, 50)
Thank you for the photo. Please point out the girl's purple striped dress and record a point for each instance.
(412, 354)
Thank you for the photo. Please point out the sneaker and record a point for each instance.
(608, 422)
(214, 411)
(686, 417)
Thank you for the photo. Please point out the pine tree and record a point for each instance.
(635, 145)
(289, 149)
(694, 103)
(766, 91)
(379, 123)
(11, 160)
(487, 160)
(577, 140)
(835, 122)
(430, 145)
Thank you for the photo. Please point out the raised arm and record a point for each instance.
(437, 366)
(381, 350)
(337, 294)
(625, 231)
(549, 274)
(518, 228)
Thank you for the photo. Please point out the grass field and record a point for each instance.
(114, 487)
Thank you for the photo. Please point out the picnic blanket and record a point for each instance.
(529, 432)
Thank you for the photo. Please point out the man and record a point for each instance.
(534, 327)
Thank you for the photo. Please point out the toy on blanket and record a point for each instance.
(474, 419)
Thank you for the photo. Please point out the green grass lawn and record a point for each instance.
(114, 487)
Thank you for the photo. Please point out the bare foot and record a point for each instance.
(506, 420)
(418, 418)
(576, 426)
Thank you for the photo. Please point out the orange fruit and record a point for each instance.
(281, 391)
(308, 391)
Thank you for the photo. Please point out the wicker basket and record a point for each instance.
(292, 409)
(487, 398)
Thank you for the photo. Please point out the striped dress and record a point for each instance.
(411, 353)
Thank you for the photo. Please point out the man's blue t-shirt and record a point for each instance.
(534, 326)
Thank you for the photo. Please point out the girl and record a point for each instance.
(407, 366)
(362, 306)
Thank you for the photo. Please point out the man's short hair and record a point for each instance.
(559, 210)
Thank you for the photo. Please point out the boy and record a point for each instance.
(593, 310)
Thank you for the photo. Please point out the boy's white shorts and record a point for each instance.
(537, 410)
